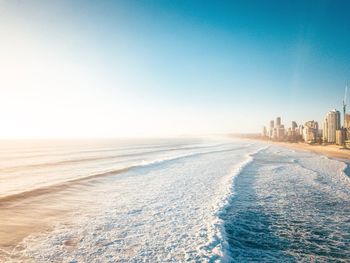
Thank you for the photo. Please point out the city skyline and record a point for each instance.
(161, 68)
(335, 129)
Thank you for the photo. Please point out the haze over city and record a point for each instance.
(164, 68)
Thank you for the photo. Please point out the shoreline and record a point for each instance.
(332, 151)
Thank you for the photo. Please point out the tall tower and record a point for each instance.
(331, 125)
(344, 103)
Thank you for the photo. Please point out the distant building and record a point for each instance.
(274, 133)
(300, 130)
(347, 121)
(294, 125)
(325, 130)
(330, 126)
(347, 129)
(277, 130)
(310, 131)
(272, 125)
(278, 122)
(264, 132)
(340, 136)
(280, 132)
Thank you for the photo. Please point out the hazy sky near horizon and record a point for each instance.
(166, 68)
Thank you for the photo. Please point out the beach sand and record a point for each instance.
(332, 151)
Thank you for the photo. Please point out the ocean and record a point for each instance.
(171, 200)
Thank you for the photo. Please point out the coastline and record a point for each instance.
(332, 151)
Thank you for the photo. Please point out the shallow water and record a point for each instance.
(200, 200)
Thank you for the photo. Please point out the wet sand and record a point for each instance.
(19, 219)
(36, 213)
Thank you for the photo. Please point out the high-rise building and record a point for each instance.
(278, 122)
(301, 128)
(272, 125)
(331, 125)
(294, 125)
(340, 136)
(347, 128)
(347, 121)
(280, 132)
(310, 131)
(264, 132)
(325, 129)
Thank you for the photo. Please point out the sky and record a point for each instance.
(81, 69)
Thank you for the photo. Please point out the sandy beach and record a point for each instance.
(332, 151)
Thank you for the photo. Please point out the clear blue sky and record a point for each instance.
(154, 68)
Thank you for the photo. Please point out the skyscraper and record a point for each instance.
(331, 125)
(272, 124)
(278, 122)
(280, 132)
(310, 131)
(347, 121)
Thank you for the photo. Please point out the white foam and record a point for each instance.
(166, 212)
(218, 243)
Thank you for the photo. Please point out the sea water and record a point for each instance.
(176, 200)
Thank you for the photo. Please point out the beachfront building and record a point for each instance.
(278, 122)
(310, 131)
(330, 125)
(300, 129)
(280, 132)
(340, 136)
(325, 129)
(347, 121)
(272, 124)
(274, 133)
(277, 130)
(292, 133)
(346, 128)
